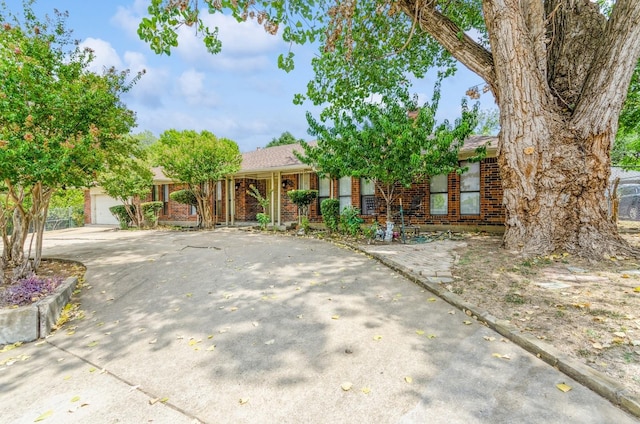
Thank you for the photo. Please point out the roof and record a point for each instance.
(282, 157)
(271, 158)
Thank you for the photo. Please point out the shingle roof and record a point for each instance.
(282, 156)
(271, 157)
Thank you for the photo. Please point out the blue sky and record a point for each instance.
(239, 94)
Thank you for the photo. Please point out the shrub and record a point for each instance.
(263, 219)
(121, 214)
(185, 197)
(150, 212)
(304, 224)
(302, 199)
(28, 290)
(330, 209)
(350, 221)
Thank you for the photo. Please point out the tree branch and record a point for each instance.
(611, 71)
(453, 39)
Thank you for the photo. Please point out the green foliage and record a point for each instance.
(305, 225)
(626, 151)
(185, 197)
(302, 199)
(330, 209)
(67, 198)
(150, 212)
(198, 160)
(123, 214)
(488, 122)
(263, 219)
(285, 138)
(60, 124)
(387, 144)
(262, 200)
(350, 221)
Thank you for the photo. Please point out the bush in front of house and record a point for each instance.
(330, 209)
(302, 199)
(121, 214)
(350, 221)
(185, 197)
(150, 212)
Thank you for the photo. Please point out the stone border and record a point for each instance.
(31, 322)
(585, 375)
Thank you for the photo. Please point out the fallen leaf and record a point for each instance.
(563, 387)
(408, 380)
(66, 377)
(255, 323)
(467, 322)
(270, 342)
(211, 348)
(489, 338)
(431, 299)
(92, 369)
(452, 312)
(597, 345)
(419, 332)
(153, 341)
(346, 386)
(365, 390)
(620, 334)
(164, 400)
(233, 309)
(624, 276)
(335, 317)
(43, 416)
(75, 398)
(377, 337)
(431, 336)
(498, 355)
(242, 401)
(189, 295)
(153, 401)
(636, 289)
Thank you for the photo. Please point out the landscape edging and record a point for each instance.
(585, 375)
(31, 322)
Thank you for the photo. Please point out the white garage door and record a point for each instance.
(102, 205)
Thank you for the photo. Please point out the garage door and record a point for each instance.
(102, 205)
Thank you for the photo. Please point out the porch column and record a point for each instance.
(279, 198)
(272, 206)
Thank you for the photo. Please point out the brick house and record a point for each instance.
(470, 200)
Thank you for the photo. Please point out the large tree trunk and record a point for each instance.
(559, 71)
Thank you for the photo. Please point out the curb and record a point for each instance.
(585, 375)
(31, 322)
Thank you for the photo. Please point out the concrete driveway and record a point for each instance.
(236, 327)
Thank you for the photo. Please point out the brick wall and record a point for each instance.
(87, 207)
(416, 199)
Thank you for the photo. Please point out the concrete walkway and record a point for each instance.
(236, 327)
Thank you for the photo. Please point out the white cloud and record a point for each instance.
(191, 86)
(246, 47)
(129, 17)
(105, 56)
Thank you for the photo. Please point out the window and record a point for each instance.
(470, 189)
(367, 196)
(304, 182)
(192, 210)
(165, 199)
(155, 193)
(324, 190)
(344, 191)
(438, 195)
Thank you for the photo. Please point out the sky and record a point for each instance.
(239, 94)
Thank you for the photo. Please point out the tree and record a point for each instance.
(59, 125)
(488, 122)
(197, 160)
(129, 181)
(559, 71)
(395, 143)
(285, 138)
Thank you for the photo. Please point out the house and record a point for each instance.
(470, 200)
